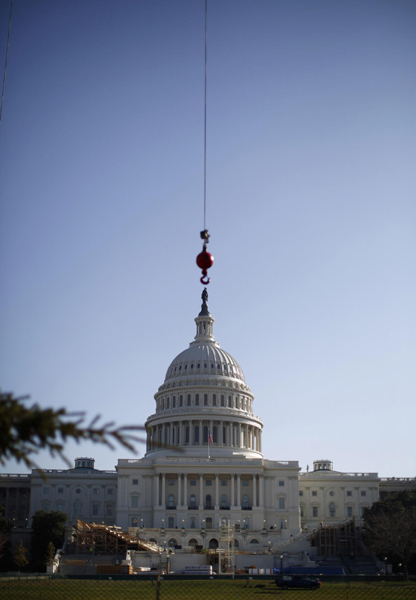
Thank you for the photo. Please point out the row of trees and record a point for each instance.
(390, 530)
(48, 531)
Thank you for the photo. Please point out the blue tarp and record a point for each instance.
(318, 570)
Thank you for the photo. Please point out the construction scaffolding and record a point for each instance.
(336, 540)
(226, 558)
(95, 539)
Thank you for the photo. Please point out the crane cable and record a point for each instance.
(7, 56)
(205, 260)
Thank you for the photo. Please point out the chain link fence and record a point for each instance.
(215, 588)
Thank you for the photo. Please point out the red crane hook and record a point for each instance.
(204, 260)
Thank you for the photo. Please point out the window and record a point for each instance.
(208, 501)
(95, 510)
(192, 521)
(246, 523)
(77, 507)
(171, 501)
(349, 493)
(300, 493)
(314, 493)
(245, 482)
(214, 400)
(171, 524)
(331, 493)
(193, 482)
(245, 501)
(189, 400)
(230, 402)
(110, 491)
(196, 434)
(254, 541)
(363, 510)
(205, 399)
(222, 401)
(331, 509)
(187, 434)
(281, 503)
(135, 481)
(208, 482)
(314, 511)
(180, 400)
(349, 511)
(224, 503)
(60, 490)
(109, 510)
(44, 505)
(60, 507)
(46, 490)
(197, 400)
(134, 521)
(363, 493)
(171, 482)
(301, 511)
(281, 483)
(95, 491)
(174, 401)
(192, 501)
(134, 501)
(223, 482)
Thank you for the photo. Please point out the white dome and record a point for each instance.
(204, 359)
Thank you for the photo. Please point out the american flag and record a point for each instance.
(210, 438)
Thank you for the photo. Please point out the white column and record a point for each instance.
(254, 490)
(217, 484)
(185, 489)
(261, 490)
(239, 435)
(164, 490)
(179, 490)
(221, 426)
(232, 491)
(201, 491)
(238, 503)
(200, 433)
(157, 490)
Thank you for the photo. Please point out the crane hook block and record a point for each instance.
(204, 260)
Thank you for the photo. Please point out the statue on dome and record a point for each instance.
(204, 307)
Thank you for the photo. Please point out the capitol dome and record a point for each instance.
(204, 401)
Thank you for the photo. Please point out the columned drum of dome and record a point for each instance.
(204, 405)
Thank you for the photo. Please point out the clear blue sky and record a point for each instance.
(311, 210)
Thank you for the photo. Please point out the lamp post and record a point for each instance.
(281, 565)
(203, 533)
(385, 560)
(264, 530)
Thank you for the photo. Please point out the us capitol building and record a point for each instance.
(203, 466)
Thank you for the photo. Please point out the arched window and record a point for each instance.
(171, 501)
(205, 434)
(236, 543)
(213, 544)
(192, 501)
(332, 509)
(77, 507)
(196, 399)
(230, 402)
(189, 400)
(208, 501)
(245, 501)
(187, 434)
(214, 400)
(180, 400)
(173, 401)
(45, 505)
(196, 434)
(254, 541)
(153, 540)
(214, 434)
(172, 543)
(193, 542)
(224, 503)
(205, 399)
(222, 400)
(167, 402)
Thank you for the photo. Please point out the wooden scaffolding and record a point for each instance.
(106, 539)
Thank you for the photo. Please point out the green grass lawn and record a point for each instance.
(66, 589)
